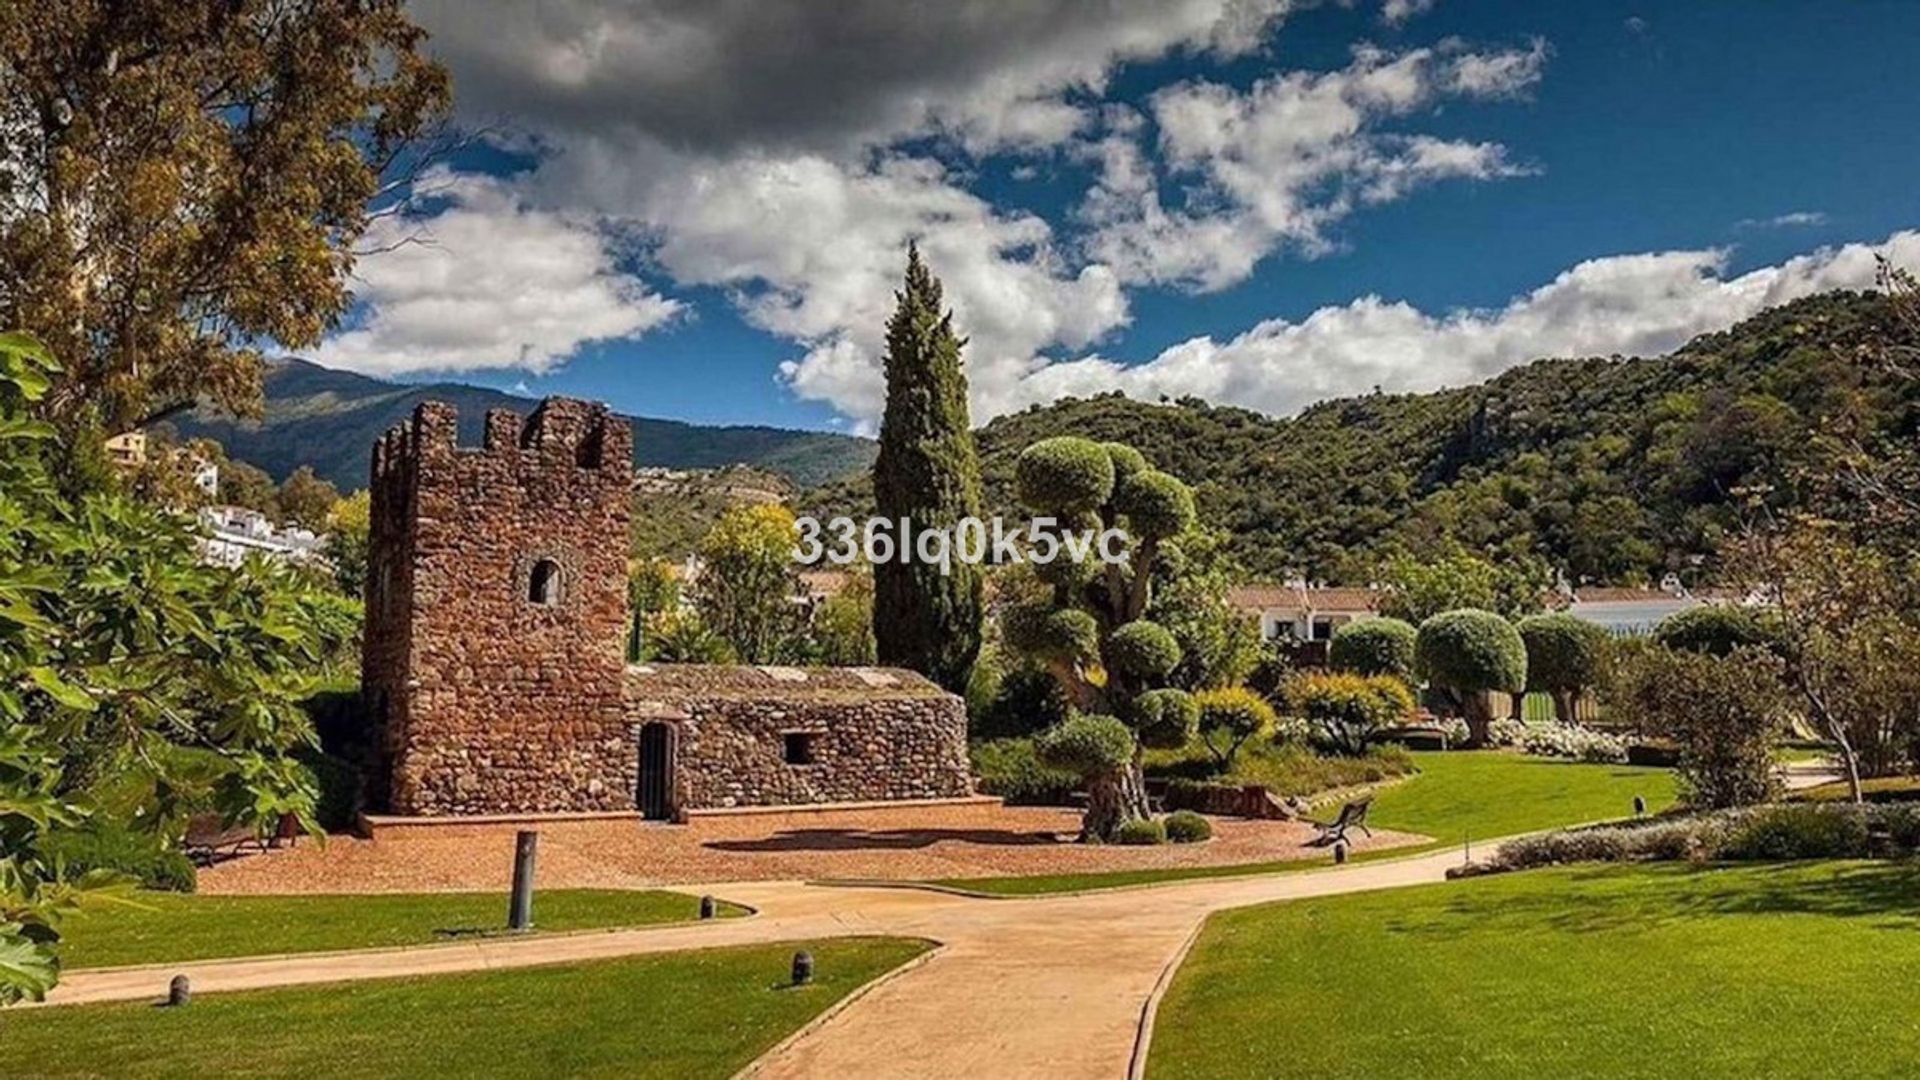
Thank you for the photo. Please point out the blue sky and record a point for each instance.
(1163, 198)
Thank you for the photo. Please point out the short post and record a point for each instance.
(708, 907)
(1340, 853)
(520, 910)
(802, 968)
(179, 991)
(1639, 806)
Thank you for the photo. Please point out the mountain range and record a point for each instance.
(1610, 469)
(329, 419)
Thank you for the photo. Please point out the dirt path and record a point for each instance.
(1048, 986)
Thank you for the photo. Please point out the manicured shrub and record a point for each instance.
(1713, 629)
(1088, 745)
(1345, 710)
(1229, 717)
(1377, 646)
(1798, 831)
(1155, 504)
(1142, 650)
(1565, 658)
(1140, 832)
(1168, 718)
(1187, 827)
(1065, 474)
(1011, 769)
(1012, 703)
(101, 844)
(1042, 632)
(1126, 460)
(1472, 653)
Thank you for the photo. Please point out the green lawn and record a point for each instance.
(175, 927)
(679, 1015)
(1627, 972)
(1457, 796)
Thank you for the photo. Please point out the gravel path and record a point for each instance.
(891, 844)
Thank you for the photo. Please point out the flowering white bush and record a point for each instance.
(1577, 743)
(1506, 732)
(1455, 729)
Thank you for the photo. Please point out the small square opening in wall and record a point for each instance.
(799, 747)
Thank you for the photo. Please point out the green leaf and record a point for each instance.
(60, 690)
(27, 970)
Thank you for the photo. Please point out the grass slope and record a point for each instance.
(680, 1015)
(168, 926)
(1615, 972)
(1457, 795)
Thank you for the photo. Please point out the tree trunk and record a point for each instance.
(1518, 706)
(1563, 710)
(1477, 709)
(1113, 800)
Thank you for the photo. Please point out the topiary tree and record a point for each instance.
(1471, 653)
(1229, 718)
(1712, 629)
(926, 617)
(1565, 658)
(1377, 646)
(1092, 629)
(1343, 711)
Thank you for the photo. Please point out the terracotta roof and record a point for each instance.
(1342, 599)
(1313, 597)
(1263, 596)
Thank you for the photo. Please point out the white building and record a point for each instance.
(1630, 612)
(232, 533)
(1298, 611)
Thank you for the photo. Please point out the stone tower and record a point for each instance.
(497, 613)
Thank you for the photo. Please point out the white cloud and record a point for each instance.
(1396, 12)
(1798, 219)
(1277, 164)
(486, 282)
(1634, 305)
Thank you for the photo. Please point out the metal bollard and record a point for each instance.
(1639, 806)
(1340, 853)
(179, 992)
(802, 968)
(709, 907)
(520, 908)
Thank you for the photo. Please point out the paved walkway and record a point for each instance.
(1045, 987)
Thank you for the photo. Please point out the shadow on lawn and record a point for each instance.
(882, 840)
(1667, 894)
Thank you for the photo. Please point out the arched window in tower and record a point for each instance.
(543, 584)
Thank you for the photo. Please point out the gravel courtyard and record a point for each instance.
(892, 843)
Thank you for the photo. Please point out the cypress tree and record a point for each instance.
(928, 473)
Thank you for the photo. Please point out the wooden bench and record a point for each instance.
(1353, 815)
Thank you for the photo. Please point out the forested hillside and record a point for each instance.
(1614, 469)
(329, 419)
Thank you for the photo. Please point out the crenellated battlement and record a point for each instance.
(565, 432)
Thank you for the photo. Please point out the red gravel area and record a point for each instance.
(895, 843)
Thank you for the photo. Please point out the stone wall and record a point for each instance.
(491, 700)
(870, 734)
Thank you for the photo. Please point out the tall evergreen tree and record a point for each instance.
(928, 473)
